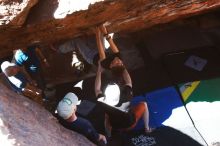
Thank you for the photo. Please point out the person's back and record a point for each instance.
(82, 126)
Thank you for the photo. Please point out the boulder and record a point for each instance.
(13, 13)
(120, 15)
(25, 123)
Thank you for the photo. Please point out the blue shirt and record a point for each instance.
(83, 127)
(28, 58)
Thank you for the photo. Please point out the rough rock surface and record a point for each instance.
(13, 13)
(122, 15)
(25, 123)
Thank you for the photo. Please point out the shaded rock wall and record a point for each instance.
(25, 123)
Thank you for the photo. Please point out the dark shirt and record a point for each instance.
(28, 58)
(119, 119)
(125, 95)
(83, 127)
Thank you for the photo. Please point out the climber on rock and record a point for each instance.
(120, 115)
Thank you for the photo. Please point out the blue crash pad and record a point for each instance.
(160, 103)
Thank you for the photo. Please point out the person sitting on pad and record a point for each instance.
(31, 59)
(21, 82)
(67, 115)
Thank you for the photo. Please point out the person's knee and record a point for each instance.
(144, 104)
